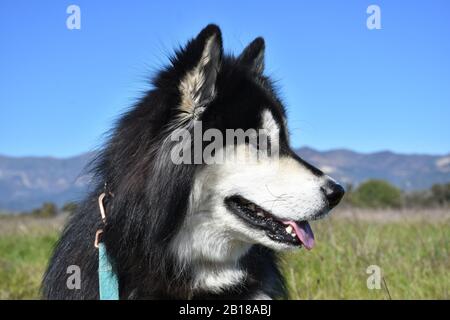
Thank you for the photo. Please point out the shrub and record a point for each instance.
(440, 194)
(69, 207)
(47, 210)
(377, 194)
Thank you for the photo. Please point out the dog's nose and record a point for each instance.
(333, 192)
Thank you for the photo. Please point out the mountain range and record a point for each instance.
(27, 182)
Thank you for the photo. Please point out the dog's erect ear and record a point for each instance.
(203, 56)
(253, 56)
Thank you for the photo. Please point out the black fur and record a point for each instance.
(151, 196)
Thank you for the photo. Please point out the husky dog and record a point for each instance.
(195, 231)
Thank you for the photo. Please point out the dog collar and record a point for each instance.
(107, 278)
(108, 282)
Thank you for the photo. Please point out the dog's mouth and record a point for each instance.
(296, 233)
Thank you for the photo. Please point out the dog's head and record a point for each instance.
(250, 197)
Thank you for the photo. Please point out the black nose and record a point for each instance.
(333, 192)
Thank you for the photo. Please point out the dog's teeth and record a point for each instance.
(260, 214)
(289, 229)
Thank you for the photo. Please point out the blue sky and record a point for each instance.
(344, 86)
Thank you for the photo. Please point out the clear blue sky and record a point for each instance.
(344, 85)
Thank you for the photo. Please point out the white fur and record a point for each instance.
(261, 296)
(212, 251)
(284, 187)
(216, 278)
(270, 126)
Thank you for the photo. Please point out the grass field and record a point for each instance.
(25, 245)
(411, 248)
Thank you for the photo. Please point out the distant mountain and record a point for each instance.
(408, 172)
(25, 183)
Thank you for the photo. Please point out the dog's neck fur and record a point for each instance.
(214, 267)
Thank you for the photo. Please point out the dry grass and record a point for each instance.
(24, 225)
(393, 215)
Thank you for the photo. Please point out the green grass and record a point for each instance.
(23, 260)
(413, 255)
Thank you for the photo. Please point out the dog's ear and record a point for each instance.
(202, 56)
(253, 56)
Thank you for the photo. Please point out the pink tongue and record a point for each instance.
(303, 231)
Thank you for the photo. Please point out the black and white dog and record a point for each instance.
(196, 230)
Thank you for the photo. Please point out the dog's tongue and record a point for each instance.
(304, 232)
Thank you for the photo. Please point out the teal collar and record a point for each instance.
(107, 278)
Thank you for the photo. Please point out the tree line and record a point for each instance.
(381, 194)
(49, 209)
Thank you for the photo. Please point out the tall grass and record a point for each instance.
(25, 246)
(413, 257)
(22, 263)
(411, 249)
